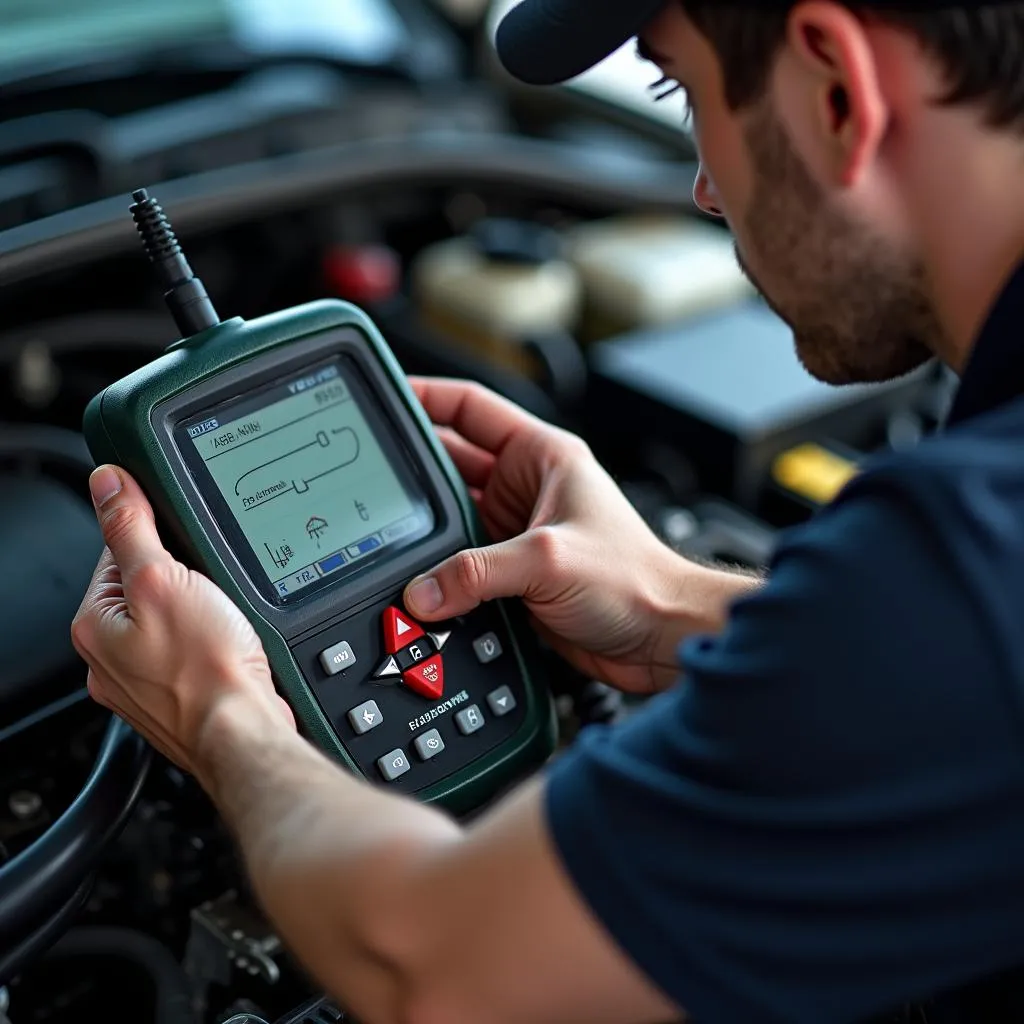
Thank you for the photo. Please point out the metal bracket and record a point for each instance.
(243, 937)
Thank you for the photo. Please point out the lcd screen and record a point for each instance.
(312, 487)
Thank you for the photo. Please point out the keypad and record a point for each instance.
(417, 691)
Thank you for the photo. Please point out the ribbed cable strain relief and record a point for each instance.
(157, 234)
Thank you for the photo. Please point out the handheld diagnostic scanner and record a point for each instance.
(288, 459)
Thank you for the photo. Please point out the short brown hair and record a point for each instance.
(979, 47)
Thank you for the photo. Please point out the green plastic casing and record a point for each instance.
(119, 429)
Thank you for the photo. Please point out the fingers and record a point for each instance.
(473, 463)
(104, 576)
(472, 576)
(483, 418)
(285, 711)
(103, 591)
(126, 519)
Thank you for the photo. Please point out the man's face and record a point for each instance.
(852, 291)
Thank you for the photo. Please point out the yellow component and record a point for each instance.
(813, 472)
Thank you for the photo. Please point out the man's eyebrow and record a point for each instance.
(645, 52)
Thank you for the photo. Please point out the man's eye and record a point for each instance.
(664, 87)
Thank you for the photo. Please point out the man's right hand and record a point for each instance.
(601, 587)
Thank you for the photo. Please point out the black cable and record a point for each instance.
(185, 295)
(35, 882)
(14, 960)
(42, 888)
(40, 715)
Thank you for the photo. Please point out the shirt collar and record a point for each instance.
(995, 368)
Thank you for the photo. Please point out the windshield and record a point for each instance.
(55, 31)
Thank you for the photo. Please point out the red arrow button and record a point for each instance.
(399, 630)
(426, 678)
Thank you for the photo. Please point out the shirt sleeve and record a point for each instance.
(826, 817)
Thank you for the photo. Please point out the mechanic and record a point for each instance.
(825, 817)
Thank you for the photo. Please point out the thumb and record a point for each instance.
(126, 519)
(461, 582)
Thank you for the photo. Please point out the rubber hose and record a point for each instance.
(12, 961)
(173, 995)
(39, 879)
(40, 884)
(556, 171)
(564, 365)
(40, 441)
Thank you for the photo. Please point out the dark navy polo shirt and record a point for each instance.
(825, 819)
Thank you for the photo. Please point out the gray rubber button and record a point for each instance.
(338, 658)
(429, 745)
(365, 717)
(469, 720)
(487, 648)
(501, 701)
(393, 765)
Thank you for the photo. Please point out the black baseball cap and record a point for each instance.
(545, 42)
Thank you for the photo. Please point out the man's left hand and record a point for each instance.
(378, 896)
(165, 647)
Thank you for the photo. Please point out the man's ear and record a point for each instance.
(833, 54)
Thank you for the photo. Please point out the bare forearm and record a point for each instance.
(400, 914)
(714, 590)
(698, 599)
(325, 851)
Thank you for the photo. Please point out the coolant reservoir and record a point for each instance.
(502, 285)
(643, 271)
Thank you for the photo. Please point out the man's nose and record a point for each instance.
(704, 194)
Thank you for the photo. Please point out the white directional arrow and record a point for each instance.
(401, 626)
(389, 668)
(439, 639)
(503, 701)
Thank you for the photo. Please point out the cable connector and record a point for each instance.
(185, 295)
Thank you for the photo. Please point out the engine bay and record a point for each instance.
(488, 239)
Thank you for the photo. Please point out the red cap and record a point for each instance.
(362, 274)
